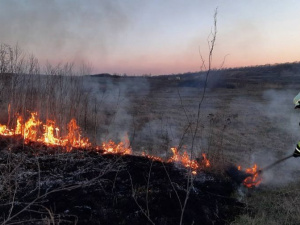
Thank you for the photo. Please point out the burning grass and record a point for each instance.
(48, 134)
(254, 178)
(35, 131)
(187, 162)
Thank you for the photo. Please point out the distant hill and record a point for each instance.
(273, 76)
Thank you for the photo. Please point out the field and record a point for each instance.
(246, 117)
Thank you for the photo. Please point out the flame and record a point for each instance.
(74, 138)
(48, 135)
(123, 148)
(185, 160)
(31, 128)
(205, 161)
(152, 157)
(19, 125)
(34, 130)
(113, 148)
(5, 131)
(255, 179)
(31, 132)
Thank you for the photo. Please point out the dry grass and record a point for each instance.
(270, 205)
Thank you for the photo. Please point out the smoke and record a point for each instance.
(69, 30)
(153, 120)
(115, 102)
(281, 111)
(275, 123)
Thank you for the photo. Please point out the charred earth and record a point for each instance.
(40, 184)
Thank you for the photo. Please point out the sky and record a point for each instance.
(138, 37)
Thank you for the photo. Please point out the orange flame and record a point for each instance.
(152, 157)
(33, 130)
(205, 161)
(122, 148)
(5, 131)
(48, 135)
(255, 179)
(185, 160)
(74, 138)
(112, 147)
(19, 125)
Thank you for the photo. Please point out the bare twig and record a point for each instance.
(147, 190)
(179, 201)
(211, 44)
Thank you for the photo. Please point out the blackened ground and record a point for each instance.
(87, 187)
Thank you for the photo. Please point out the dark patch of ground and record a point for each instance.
(87, 187)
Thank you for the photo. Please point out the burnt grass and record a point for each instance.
(42, 185)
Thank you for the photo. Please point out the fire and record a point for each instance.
(34, 130)
(185, 160)
(122, 148)
(205, 161)
(112, 147)
(19, 125)
(253, 180)
(48, 135)
(31, 132)
(74, 138)
(31, 128)
(152, 157)
(5, 131)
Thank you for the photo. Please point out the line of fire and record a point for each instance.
(33, 130)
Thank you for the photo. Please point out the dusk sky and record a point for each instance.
(150, 36)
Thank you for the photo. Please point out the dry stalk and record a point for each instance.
(146, 212)
(211, 44)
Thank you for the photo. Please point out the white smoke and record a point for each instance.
(281, 135)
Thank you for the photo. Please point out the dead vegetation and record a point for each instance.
(272, 205)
